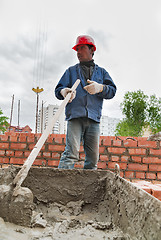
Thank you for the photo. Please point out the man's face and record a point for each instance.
(84, 54)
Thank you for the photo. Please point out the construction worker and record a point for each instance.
(83, 112)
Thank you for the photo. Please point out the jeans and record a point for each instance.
(85, 130)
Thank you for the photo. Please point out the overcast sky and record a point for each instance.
(36, 40)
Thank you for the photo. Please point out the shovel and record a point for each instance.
(16, 202)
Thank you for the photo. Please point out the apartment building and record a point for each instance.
(45, 116)
(108, 125)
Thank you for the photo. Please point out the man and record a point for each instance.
(83, 112)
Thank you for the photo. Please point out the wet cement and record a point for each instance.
(82, 204)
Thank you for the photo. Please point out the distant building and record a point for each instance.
(108, 125)
(45, 116)
(25, 129)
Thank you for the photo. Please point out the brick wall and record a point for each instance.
(137, 157)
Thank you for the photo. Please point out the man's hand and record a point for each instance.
(65, 91)
(93, 87)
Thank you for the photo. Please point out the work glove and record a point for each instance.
(65, 91)
(93, 87)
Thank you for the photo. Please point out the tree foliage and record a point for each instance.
(154, 114)
(3, 122)
(140, 112)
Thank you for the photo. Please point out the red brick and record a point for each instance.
(13, 138)
(116, 150)
(155, 151)
(4, 145)
(104, 158)
(159, 176)
(61, 136)
(82, 156)
(141, 138)
(111, 165)
(56, 155)
(4, 160)
(129, 174)
(101, 150)
(136, 159)
(123, 165)
(31, 138)
(124, 158)
(10, 153)
(137, 167)
(106, 141)
(32, 145)
(56, 148)
(117, 143)
(137, 151)
(18, 145)
(151, 175)
(4, 138)
(50, 138)
(130, 143)
(37, 135)
(146, 189)
(101, 165)
(151, 160)
(39, 162)
(18, 153)
(22, 138)
(155, 168)
(47, 154)
(17, 161)
(156, 191)
(2, 152)
(140, 175)
(115, 158)
(58, 140)
(144, 143)
(53, 163)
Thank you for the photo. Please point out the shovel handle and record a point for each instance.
(22, 174)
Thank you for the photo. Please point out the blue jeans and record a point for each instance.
(85, 130)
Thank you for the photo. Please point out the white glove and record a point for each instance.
(65, 91)
(93, 87)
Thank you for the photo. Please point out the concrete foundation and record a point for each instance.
(71, 200)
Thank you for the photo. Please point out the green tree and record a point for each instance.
(154, 114)
(140, 111)
(3, 122)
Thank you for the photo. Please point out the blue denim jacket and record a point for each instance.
(85, 104)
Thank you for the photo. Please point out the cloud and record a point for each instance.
(21, 69)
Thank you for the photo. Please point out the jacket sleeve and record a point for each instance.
(109, 89)
(63, 83)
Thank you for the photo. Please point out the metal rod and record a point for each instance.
(18, 115)
(11, 112)
(42, 113)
